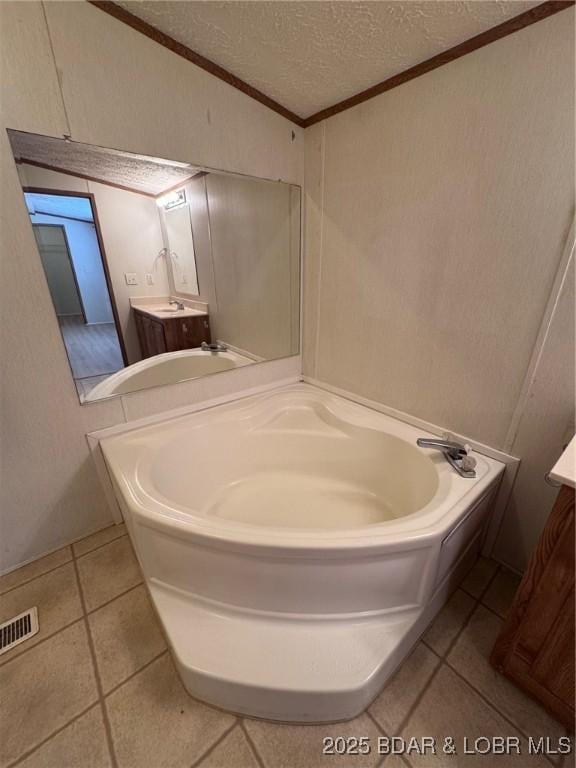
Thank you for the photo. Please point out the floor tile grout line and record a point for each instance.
(137, 672)
(92, 611)
(70, 624)
(491, 610)
(252, 744)
(434, 651)
(442, 658)
(486, 700)
(104, 711)
(457, 636)
(371, 717)
(403, 760)
(379, 728)
(96, 548)
(475, 604)
(489, 584)
(34, 578)
(61, 565)
(218, 741)
(407, 717)
(26, 755)
(51, 636)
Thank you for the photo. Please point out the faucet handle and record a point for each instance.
(468, 463)
(451, 438)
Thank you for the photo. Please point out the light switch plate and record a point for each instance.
(131, 278)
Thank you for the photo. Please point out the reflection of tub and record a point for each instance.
(168, 368)
(295, 545)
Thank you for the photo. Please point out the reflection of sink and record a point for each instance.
(165, 310)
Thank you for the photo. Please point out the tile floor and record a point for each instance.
(96, 688)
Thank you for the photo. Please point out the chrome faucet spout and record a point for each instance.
(456, 450)
(179, 304)
(217, 347)
(457, 454)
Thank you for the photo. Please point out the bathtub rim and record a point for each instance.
(411, 531)
(124, 374)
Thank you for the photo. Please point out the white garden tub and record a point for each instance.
(168, 368)
(295, 545)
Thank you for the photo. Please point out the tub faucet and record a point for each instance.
(179, 304)
(456, 453)
(218, 347)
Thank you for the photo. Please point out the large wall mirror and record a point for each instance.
(160, 271)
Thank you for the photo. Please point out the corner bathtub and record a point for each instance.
(168, 368)
(295, 545)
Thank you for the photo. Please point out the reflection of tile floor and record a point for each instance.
(96, 687)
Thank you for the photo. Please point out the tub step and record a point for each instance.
(278, 667)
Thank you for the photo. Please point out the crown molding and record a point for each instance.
(516, 23)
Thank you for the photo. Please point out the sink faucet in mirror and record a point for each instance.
(217, 347)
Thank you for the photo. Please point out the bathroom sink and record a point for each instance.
(164, 310)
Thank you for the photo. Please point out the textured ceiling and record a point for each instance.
(310, 55)
(150, 175)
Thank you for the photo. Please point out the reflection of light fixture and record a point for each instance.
(172, 200)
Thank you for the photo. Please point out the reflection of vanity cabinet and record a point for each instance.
(157, 335)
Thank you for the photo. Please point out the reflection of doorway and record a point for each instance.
(70, 249)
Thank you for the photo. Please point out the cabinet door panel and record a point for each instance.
(536, 646)
(158, 343)
(189, 332)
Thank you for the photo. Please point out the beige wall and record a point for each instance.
(436, 219)
(121, 90)
(132, 235)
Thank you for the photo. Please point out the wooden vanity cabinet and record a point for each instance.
(170, 334)
(536, 646)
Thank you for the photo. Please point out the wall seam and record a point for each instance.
(58, 74)
(320, 248)
(542, 336)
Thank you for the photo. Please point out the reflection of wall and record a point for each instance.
(196, 196)
(132, 236)
(181, 247)
(437, 214)
(85, 255)
(58, 270)
(255, 293)
(247, 248)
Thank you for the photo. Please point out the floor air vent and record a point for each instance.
(18, 629)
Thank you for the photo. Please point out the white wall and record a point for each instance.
(121, 90)
(436, 219)
(85, 255)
